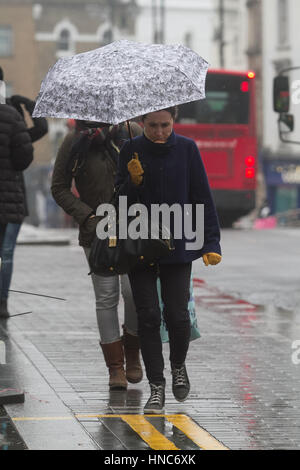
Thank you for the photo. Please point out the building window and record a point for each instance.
(283, 23)
(6, 41)
(64, 41)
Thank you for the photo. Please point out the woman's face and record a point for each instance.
(158, 126)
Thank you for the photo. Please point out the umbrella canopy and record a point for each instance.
(121, 81)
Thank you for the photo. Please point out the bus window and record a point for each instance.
(227, 102)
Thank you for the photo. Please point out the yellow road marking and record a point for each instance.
(42, 418)
(61, 418)
(148, 433)
(80, 416)
(198, 435)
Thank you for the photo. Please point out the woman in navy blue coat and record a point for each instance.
(167, 168)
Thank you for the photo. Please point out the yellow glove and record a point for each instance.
(135, 169)
(211, 258)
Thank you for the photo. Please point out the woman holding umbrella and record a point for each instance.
(168, 170)
(115, 83)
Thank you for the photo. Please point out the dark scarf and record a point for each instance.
(160, 149)
(85, 140)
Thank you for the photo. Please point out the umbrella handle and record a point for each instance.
(129, 131)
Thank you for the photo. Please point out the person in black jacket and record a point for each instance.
(164, 168)
(16, 154)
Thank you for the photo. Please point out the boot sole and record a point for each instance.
(134, 381)
(118, 387)
(180, 400)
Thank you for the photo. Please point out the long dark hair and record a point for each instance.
(173, 110)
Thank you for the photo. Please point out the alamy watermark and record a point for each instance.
(296, 92)
(296, 353)
(2, 353)
(133, 222)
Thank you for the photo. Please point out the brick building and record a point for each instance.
(19, 55)
(68, 27)
(35, 34)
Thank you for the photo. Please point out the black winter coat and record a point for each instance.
(16, 154)
(94, 183)
(40, 125)
(173, 174)
(36, 132)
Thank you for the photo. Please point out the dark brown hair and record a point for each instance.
(173, 110)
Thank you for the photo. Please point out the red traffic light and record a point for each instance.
(250, 173)
(250, 161)
(251, 74)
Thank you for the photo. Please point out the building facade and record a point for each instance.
(19, 56)
(68, 27)
(280, 50)
(197, 24)
(35, 34)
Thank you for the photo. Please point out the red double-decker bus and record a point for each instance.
(224, 128)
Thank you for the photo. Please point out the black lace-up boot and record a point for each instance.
(181, 383)
(156, 402)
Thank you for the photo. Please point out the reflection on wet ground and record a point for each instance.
(245, 385)
(264, 379)
(272, 319)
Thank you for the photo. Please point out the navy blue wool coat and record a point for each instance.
(173, 173)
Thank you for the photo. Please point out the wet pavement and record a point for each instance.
(244, 370)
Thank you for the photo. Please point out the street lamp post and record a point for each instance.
(155, 33)
(162, 21)
(222, 33)
(158, 21)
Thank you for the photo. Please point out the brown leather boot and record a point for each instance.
(114, 357)
(134, 371)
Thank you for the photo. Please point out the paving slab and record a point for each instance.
(245, 386)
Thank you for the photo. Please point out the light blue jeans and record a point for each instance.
(107, 295)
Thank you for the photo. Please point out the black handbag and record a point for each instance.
(114, 255)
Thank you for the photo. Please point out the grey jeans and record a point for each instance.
(107, 295)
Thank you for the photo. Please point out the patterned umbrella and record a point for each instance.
(121, 81)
